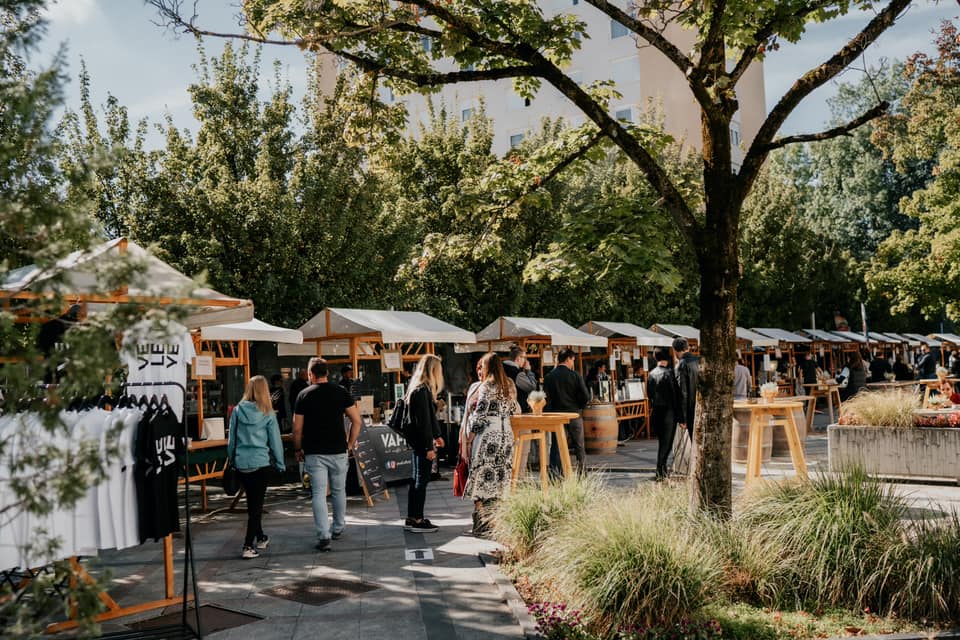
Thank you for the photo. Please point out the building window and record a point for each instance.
(626, 70)
(617, 30)
(735, 135)
(388, 95)
(467, 67)
(515, 140)
(426, 43)
(624, 115)
(466, 114)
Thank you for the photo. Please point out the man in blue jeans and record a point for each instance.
(321, 443)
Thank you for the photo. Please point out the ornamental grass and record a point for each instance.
(889, 408)
(521, 519)
(632, 561)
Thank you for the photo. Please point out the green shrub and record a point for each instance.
(928, 557)
(633, 561)
(521, 518)
(893, 408)
(832, 536)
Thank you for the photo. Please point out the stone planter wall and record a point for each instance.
(885, 451)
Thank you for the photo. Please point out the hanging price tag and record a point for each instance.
(777, 353)
(625, 356)
(821, 351)
(645, 364)
(636, 353)
(613, 363)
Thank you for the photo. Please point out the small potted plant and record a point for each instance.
(537, 400)
(768, 391)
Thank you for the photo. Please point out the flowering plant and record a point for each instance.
(557, 622)
(768, 387)
(683, 630)
(536, 396)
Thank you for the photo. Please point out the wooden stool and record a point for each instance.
(518, 440)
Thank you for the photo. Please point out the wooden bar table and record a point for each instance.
(782, 414)
(828, 390)
(548, 423)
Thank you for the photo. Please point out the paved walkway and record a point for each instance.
(446, 597)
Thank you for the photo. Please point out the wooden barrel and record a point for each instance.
(600, 428)
(741, 437)
(780, 445)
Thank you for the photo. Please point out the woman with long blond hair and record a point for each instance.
(490, 440)
(423, 436)
(254, 446)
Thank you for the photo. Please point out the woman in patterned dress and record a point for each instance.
(490, 440)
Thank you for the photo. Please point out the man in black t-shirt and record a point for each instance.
(321, 444)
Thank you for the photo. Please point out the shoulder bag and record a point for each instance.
(231, 477)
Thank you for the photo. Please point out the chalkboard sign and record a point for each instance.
(367, 459)
(391, 451)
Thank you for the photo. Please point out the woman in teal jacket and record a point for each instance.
(254, 444)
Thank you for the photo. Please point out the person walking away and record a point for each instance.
(322, 443)
(423, 437)
(254, 439)
(490, 441)
(663, 392)
(927, 366)
(742, 381)
(567, 392)
(808, 368)
(278, 401)
(687, 373)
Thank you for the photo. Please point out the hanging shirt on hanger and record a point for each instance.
(159, 354)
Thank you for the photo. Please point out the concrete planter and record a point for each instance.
(885, 451)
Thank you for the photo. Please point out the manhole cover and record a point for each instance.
(320, 590)
(212, 618)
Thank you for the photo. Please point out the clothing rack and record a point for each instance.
(114, 610)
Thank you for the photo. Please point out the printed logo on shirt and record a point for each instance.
(157, 355)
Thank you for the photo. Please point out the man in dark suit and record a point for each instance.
(664, 396)
(567, 392)
(687, 372)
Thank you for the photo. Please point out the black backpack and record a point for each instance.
(400, 419)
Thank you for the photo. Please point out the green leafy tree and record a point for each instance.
(493, 40)
(46, 468)
(917, 269)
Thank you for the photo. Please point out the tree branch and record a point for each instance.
(645, 31)
(808, 83)
(765, 32)
(842, 130)
(426, 79)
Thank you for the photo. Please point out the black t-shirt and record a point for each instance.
(159, 442)
(322, 407)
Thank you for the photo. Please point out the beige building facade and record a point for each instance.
(643, 77)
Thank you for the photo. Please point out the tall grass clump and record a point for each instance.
(521, 519)
(929, 560)
(832, 536)
(633, 561)
(892, 408)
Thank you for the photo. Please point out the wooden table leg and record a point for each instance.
(754, 452)
(517, 452)
(830, 405)
(544, 461)
(811, 410)
(796, 447)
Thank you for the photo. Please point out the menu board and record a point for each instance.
(381, 456)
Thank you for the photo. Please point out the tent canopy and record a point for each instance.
(897, 337)
(922, 339)
(389, 326)
(850, 336)
(677, 331)
(644, 337)
(781, 335)
(889, 338)
(756, 339)
(947, 337)
(253, 330)
(824, 336)
(82, 274)
(559, 332)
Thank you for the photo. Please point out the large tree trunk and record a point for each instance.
(711, 482)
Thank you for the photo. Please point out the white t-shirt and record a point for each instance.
(155, 353)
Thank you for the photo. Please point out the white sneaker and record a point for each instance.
(249, 552)
(263, 542)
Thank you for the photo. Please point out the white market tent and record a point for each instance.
(252, 330)
(850, 336)
(922, 339)
(627, 330)
(903, 338)
(680, 331)
(781, 335)
(756, 339)
(947, 337)
(363, 334)
(819, 335)
(549, 331)
(77, 278)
